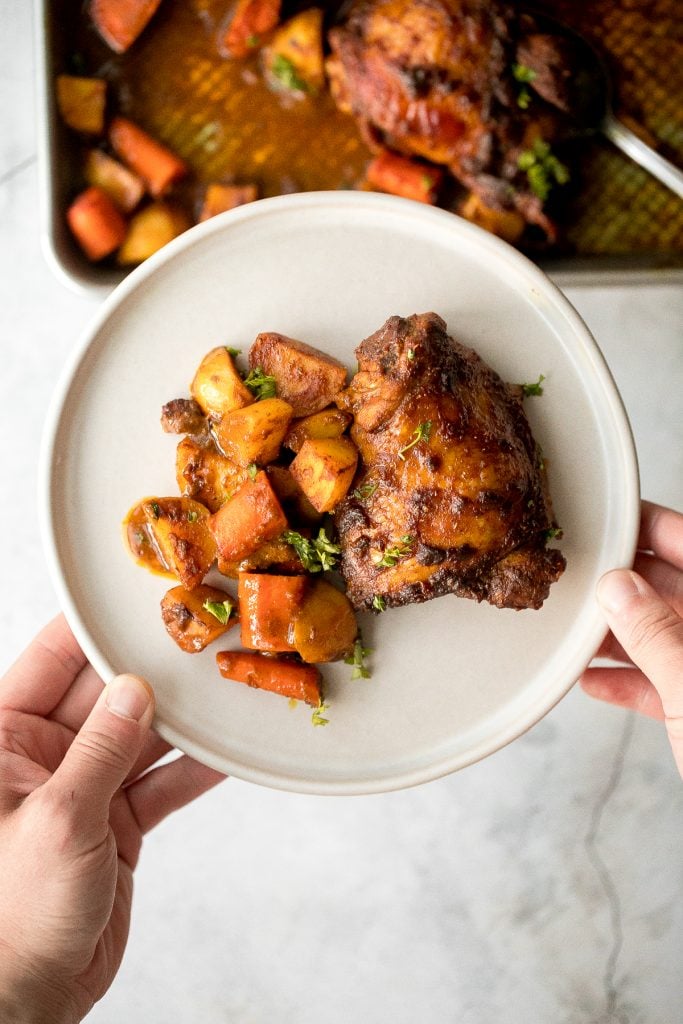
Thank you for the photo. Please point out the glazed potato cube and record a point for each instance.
(252, 516)
(150, 229)
(269, 605)
(324, 470)
(206, 475)
(507, 224)
(294, 58)
(190, 620)
(295, 503)
(326, 627)
(81, 103)
(219, 198)
(306, 378)
(330, 422)
(124, 188)
(254, 434)
(217, 386)
(180, 534)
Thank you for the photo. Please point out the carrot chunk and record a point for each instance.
(288, 678)
(402, 176)
(96, 224)
(253, 515)
(158, 167)
(269, 607)
(252, 19)
(120, 22)
(219, 198)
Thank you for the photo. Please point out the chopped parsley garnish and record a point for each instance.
(378, 603)
(364, 491)
(252, 41)
(192, 516)
(252, 470)
(357, 659)
(410, 354)
(221, 610)
(421, 433)
(427, 182)
(543, 169)
(317, 555)
(234, 352)
(260, 384)
(393, 554)
(553, 532)
(522, 74)
(156, 511)
(287, 75)
(317, 717)
(533, 389)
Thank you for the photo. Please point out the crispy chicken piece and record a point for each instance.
(437, 79)
(450, 494)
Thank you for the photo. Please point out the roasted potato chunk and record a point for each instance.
(252, 516)
(274, 554)
(269, 605)
(206, 475)
(217, 386)
(178, 528)
(220, 198)
(81, 102)
(150, 229)
(295, 503)
(294, 58)
(123, 186)
(306, 378)
(330, 422)
(190, 620)
(254, 434)
(325, 627)
(324, 470)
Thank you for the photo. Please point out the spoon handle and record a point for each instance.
(629, 143)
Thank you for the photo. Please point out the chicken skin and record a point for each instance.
(450, 493)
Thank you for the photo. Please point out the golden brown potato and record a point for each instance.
(81, 102)
(306, 378)
(254, 434)
(217, 386)
(150, 229)
(295, 503)
(330, 422)
(294, 58)
(326, 627)
(324, 470)
(274, 554)
(507, 224)
(123, 186)
(206, 475)
(195, 618)
(219, 198)
(178, 528)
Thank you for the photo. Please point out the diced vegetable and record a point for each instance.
(330, 422)
(274, 554)
(252, 516)
(297, 45)
(150, 229)
(288, 678)
(206, 475)
(402, 176)
(124, 188)
(81, 103)
(96, 224)
(325, 627)
(120, 22)
(324, 470)
(507, 224)
(158, 167)
(194, 618)
(179, 531)
(291, 496)
(250, 22)
(217, 386)
(306, 378)
(183, 416)
(254, 434)
(219, 198)
(269, 606)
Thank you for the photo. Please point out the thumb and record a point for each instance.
(106, 748)
(650, 632)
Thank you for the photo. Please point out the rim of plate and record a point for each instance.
(503, 253)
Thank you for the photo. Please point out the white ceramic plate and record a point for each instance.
(452, 681)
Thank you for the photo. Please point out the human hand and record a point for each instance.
(644, 610)
(74, 806)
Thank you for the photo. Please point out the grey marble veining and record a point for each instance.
(541, 886)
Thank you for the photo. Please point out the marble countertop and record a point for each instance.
(541, 885)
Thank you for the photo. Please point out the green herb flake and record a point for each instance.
(364, 491)
(317, 717)
(234, 352)
(553, 532)
(192, 516)
(260, 384)
(156, 511)
(421, 433)
(293, 702)
(252, 470)
(393, 554)
(317, 555)
(427, 182)
(521, 73)
(410, 354)
(357, 659)
(378, 603)
(523, 98)
(287, 75)
(252, 41)
(543, 169)
(221, 610)
(533, 389)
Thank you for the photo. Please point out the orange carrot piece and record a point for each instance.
(402, 176)
(120, 22)
(288, 678)
(252, 19)
(157, 166)
(268, 607)
(96, 224)
(253, 515)
(219, 198)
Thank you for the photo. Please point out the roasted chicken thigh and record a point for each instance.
(450, 494)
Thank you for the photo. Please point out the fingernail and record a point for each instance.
(616, 588)
(128, 697)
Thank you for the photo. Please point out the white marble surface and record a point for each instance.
(542, 885)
